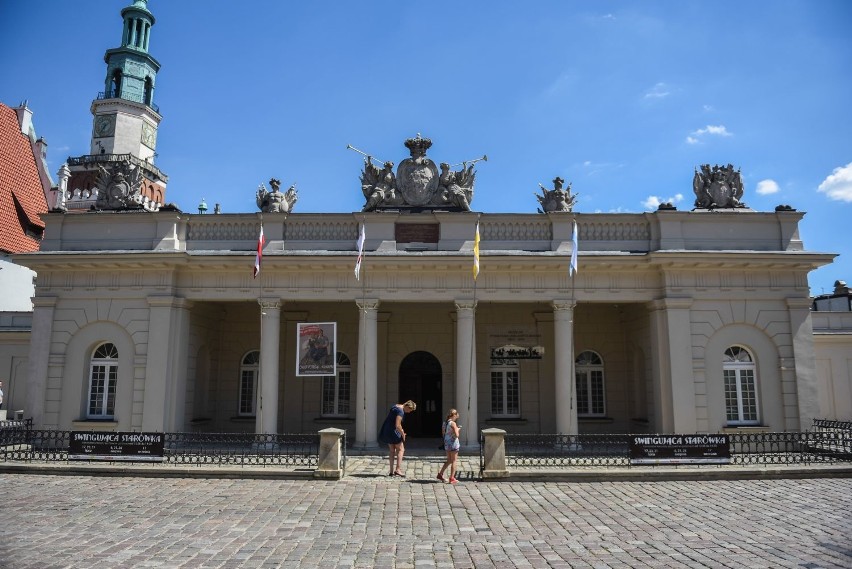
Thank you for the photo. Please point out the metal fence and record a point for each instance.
(20, 442)
(824, 444)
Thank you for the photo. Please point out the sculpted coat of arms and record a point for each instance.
(417, 183)
(719, 187)
(276, 201)
(119, 187)
(557, 199)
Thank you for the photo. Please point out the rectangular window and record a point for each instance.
(335, 394)
(591, 397)
(102, 384)
(505, 393)
(740, 396)
(248, 382)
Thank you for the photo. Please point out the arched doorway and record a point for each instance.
(420, 381)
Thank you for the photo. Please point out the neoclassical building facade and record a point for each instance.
(147, 318)
(676, 321)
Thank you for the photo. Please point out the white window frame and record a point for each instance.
(104, 364)
(591, 383)
(247, 384)
(504, 373)
(740, 373)
(337, 390)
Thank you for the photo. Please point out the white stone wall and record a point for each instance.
(833, 354)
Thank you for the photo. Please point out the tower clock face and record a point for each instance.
(149, 136)
(104, 126)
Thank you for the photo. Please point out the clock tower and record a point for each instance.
(124, 129)
(125, 116)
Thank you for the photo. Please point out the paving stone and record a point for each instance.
(371, 520)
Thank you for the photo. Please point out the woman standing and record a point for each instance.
(450, 430)
(392, 435)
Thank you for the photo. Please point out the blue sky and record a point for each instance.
(622, 99)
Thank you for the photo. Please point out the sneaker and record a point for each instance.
(440, 477)
(453, 480)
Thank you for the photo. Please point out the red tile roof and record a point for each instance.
(21, 194)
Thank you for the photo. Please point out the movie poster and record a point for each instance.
(315, 349)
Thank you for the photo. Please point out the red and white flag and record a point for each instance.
(261, 240)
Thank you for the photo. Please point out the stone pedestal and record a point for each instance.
(330, 454)
(494, 451)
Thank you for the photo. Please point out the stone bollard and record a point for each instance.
(330, 454)
(494, 451)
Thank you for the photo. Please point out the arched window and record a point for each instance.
(149, 91)
(738, 370)
(591, 395)
(505, 388)
(248, 383)
(103, 378)
(336, 390)
(115, 85)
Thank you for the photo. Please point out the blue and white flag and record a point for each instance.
(572, 268)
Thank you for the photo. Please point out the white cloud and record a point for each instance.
(658, 91)
(767, 187)
(709, 130)
(838, 185)
(653, 202)
(708, 108)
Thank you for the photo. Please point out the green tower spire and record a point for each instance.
(131, 71)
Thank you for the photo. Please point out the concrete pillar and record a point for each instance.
(565, 391)
(266, 420)
(39, 356)
(165, 368)
(494, 453)
(802, 333)
(366, 392)
(674, 382)
(329, 461)
(466, 401)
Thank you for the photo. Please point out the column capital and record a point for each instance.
(562, 304)
(269, 303)
(366, 304)
(465, 305)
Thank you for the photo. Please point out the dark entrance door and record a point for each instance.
(420, 381)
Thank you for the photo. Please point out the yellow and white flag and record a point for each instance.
(476, 253)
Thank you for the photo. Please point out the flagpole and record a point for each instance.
(258, 383)
(471, 378)
(363, 363)
(572, 270)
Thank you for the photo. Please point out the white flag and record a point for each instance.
(362, 235)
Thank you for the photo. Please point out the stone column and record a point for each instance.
(674, 381)
(466, 372)
(366, 392)
(64, 175)
(266, 421)
(565, 391)
(39, 356)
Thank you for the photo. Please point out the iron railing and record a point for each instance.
(790, 448)
(243, 449)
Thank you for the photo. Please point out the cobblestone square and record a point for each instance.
(371, 520)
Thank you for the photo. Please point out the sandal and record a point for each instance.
(398, 473)
(453, 481)
(440, 477)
